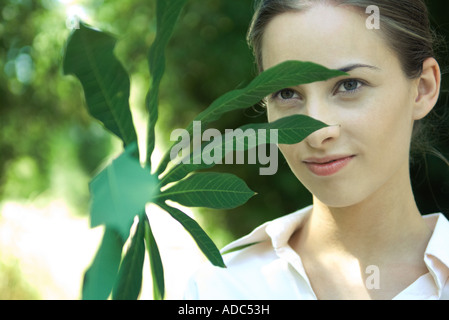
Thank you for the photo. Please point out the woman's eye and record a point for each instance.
(349, 86)
(286, 94)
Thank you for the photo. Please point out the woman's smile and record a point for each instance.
(327, 166)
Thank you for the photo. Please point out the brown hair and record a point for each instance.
(404, 24)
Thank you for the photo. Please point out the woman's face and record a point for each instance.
(370, 111)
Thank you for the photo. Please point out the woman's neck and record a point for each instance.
(338, 245)
(379, 227)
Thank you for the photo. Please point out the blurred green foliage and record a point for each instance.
(48, 143)
(12, 284)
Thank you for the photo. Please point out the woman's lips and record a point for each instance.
(327, 166)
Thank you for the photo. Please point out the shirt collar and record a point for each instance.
(436, 255)
(281, 229)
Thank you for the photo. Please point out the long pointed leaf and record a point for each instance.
(90, 57)
(283, 75)
(286, 74)
(157, 269)
(167, 14)
(209, 189)
(204, 242)
(100, 277)
(129, 278)
(290, 130)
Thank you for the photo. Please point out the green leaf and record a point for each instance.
(129, 279)
(283, 75)
(209, 189)
(120, 192)
(206, 245)
(286, 74)
(157, 269)
(290, 130)
(167, 13)
(243, 246)
(89, 56)
(100, 277)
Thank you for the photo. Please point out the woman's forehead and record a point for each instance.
(328, 35)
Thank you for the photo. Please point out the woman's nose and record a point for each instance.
(320, 138)
(321, 110)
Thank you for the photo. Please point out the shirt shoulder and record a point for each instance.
(437, 253)
(253, 267)
(238, 280)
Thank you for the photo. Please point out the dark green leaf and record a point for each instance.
(244, 246)
(157, 269)
(89, 56)
(209, 189)
(100, 277)
(206, 245)
(286, 74)
(167, 13)
(120, 192)
(129, 279)
(290, 130)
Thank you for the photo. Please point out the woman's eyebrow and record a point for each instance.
(358, 65)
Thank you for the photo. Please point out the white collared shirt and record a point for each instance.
(272, 270)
